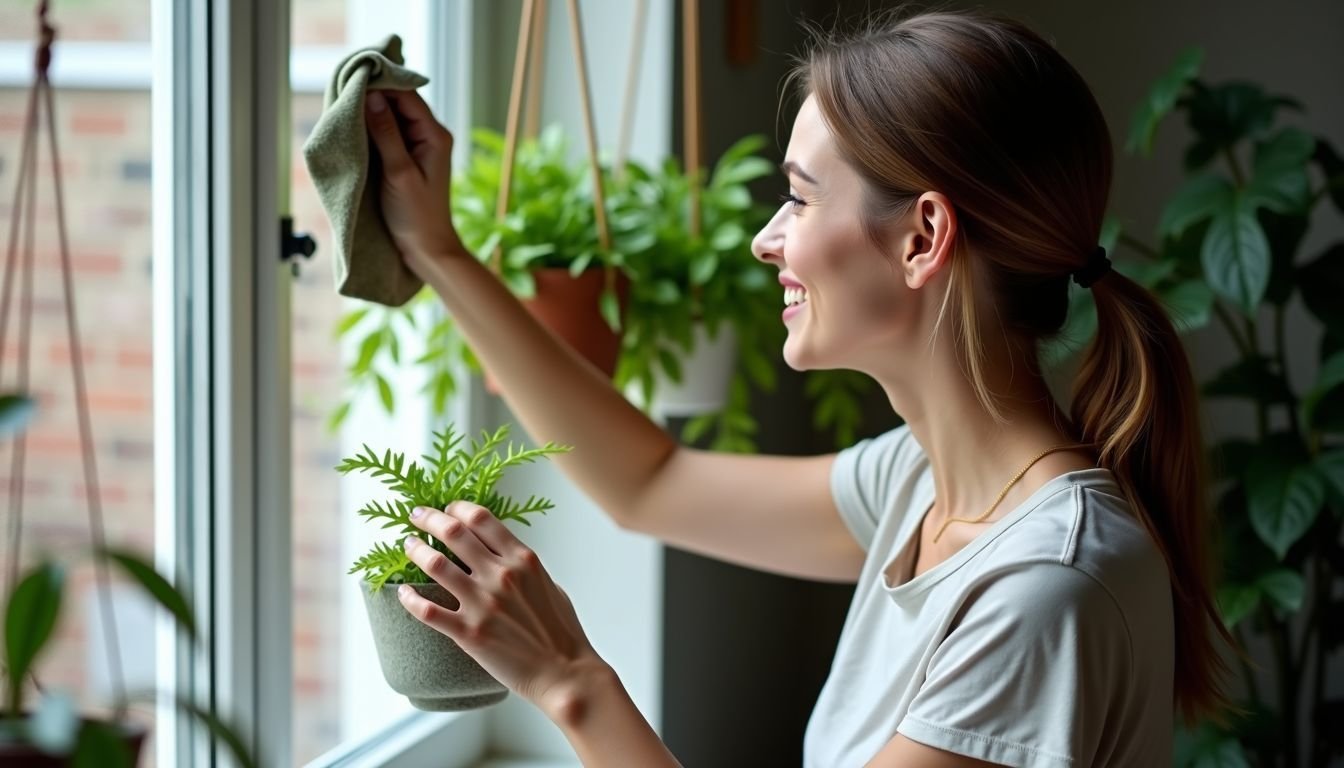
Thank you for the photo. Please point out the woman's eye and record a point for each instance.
(792, 199)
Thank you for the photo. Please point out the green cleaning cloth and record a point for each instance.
(347, 175)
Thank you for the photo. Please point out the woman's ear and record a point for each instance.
(925, 246)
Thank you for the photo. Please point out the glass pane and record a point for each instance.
(339, 693)
(105, 144)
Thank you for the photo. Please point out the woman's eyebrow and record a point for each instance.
(790, 167)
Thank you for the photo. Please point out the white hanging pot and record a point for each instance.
(705, 375)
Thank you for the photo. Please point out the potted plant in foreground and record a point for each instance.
(417, 661)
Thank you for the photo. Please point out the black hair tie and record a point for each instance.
(1096, 266)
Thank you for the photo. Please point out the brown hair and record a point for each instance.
(982, 109)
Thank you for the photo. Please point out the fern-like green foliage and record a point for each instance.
(454, 470)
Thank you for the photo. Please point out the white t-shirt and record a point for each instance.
(1045, 641)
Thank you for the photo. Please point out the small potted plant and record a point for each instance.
(53, 733)
(418, 662)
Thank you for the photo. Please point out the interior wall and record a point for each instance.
(749, 652)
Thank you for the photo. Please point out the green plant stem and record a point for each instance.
(1253, 345)
(1139, 246)
(1252, 686)
(1237, 175)
(1289, 689)
(1281, 355)
(1230, 324)
(1320, 600)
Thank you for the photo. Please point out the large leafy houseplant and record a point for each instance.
(1229, 250)
(54, 733)
(453, 470)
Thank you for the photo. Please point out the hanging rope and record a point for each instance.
(690, 75)
(535, 80)
(527, 28)
(631, 85)
(23, 215)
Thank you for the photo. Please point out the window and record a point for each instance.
(103, 120)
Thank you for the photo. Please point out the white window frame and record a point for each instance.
(221, 351)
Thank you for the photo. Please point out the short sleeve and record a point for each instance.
(1028, 675)
(866, 474)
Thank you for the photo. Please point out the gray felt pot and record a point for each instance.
(420, 662)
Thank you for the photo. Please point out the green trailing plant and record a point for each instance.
(676, 281)
(31, 610)
(452, 471)
(1229, 250)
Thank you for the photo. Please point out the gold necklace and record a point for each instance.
(1004, 492)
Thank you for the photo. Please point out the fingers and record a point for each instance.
(488, 528)
(431, 145)
(387, 135)
(428, 611)
(455, 535)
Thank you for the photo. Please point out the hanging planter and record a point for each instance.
(706, 373)
(419, 662)
(541, 222)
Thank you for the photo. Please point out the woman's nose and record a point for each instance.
(768, 244)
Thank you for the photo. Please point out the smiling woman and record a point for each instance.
(948, 175)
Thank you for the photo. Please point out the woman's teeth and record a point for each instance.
(794, 296)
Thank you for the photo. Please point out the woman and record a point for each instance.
(1032, 585)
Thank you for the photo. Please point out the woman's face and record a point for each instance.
(847, 303)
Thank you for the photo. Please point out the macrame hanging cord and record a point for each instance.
(23, 216)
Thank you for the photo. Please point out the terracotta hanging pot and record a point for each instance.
(568, 306)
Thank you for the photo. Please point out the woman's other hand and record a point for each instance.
(512, 618)
(416, 153)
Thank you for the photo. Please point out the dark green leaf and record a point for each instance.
(1284, 234)
(158, 587)
(367, 350)
(1199, 198)
(1198, 154)
(1321, 283)
(101, 746)
(611, 310)
(1236, 602)
(1250, 377)
(1189, 303)
(1284, 588)
(221, 731)
(671, 365)
(740, 172)
(1111, 229)
(1332, 166)
(350, 320)
(1330, 466)
(1160, 100)
(16, 411)
(1279, 177)
(384, 392)
(1328, 379)
(1229, 112)
(338, 416)
(1235, 256)
(703, 267)
(1284, 498)
(29, 619)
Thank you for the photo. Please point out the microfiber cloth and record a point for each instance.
(347, 175)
